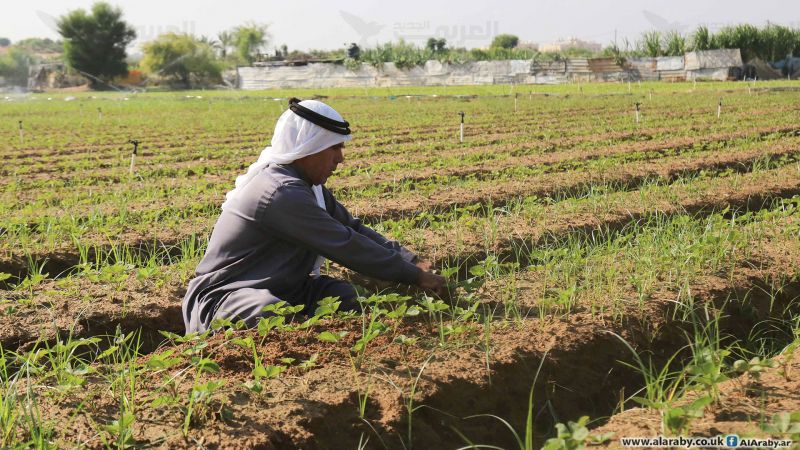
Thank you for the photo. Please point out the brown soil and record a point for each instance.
(318, 408)
(746, 405)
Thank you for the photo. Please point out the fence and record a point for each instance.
(714, 64)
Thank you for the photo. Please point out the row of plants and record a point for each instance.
(575, 275)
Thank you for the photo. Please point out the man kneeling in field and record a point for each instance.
(280, 222)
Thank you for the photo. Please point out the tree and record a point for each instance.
(181, 57)
(39, 45)
(14, 66)
(436, 45)
(95, 43)
(226, 41)
(249, 39)
(505, 41)
(5, 42)
(354, 51)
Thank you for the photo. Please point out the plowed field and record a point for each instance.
(608, 278)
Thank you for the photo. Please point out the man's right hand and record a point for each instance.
(431, 281)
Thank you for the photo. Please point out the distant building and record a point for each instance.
(570, 44)
(528, 45)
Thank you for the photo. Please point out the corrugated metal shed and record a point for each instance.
(669, 63)
(548, 67)
(717, 74)
(643, 69)
(578, 66)
(604, 65)
(713, 59)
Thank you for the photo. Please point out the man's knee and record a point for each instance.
(245, 304)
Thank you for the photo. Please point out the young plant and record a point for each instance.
(574, 436)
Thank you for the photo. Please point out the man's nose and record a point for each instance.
(339, 157)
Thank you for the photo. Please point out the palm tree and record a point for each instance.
(250, 39)
(225, 40)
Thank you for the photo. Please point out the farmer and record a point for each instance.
(280, 222)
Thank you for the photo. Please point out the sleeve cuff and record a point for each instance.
(407, 255)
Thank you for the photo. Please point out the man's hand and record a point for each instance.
(424, 265)
(429, 280)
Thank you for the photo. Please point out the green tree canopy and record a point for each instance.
(40, 45)
(14, 66)
(505, 41)
(436, 45)
(225, 41)
(249, 40)
(181, 57)
(95, 43)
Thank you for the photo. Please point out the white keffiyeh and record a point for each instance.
(294, 138)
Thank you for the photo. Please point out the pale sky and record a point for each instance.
(469, 23)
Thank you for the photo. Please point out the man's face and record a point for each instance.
(320, 166)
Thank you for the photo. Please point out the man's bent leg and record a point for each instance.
(245, 304)
(317, 288)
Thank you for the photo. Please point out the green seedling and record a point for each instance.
(784, 424)
(200, 398)
(575, 436)
(754, 367)
(676, 419)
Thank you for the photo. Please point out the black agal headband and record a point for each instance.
(318, 119)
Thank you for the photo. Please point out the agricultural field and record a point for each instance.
(608, 276)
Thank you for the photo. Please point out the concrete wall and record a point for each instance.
(435, 73)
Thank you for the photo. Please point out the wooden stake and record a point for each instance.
(651, 94)
(515, 102)
(99, 114)
(637, 112)
(719, 109)
(21, 134)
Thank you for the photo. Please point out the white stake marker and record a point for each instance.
(462, 125)
(637, 111)
(515, 102)
(99, 114)
(719, 109)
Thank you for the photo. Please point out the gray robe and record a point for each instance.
(264, 246)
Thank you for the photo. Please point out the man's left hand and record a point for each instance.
(424, 265)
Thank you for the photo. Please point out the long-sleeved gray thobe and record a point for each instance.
(264, 246)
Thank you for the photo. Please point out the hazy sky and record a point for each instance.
(470, 23)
